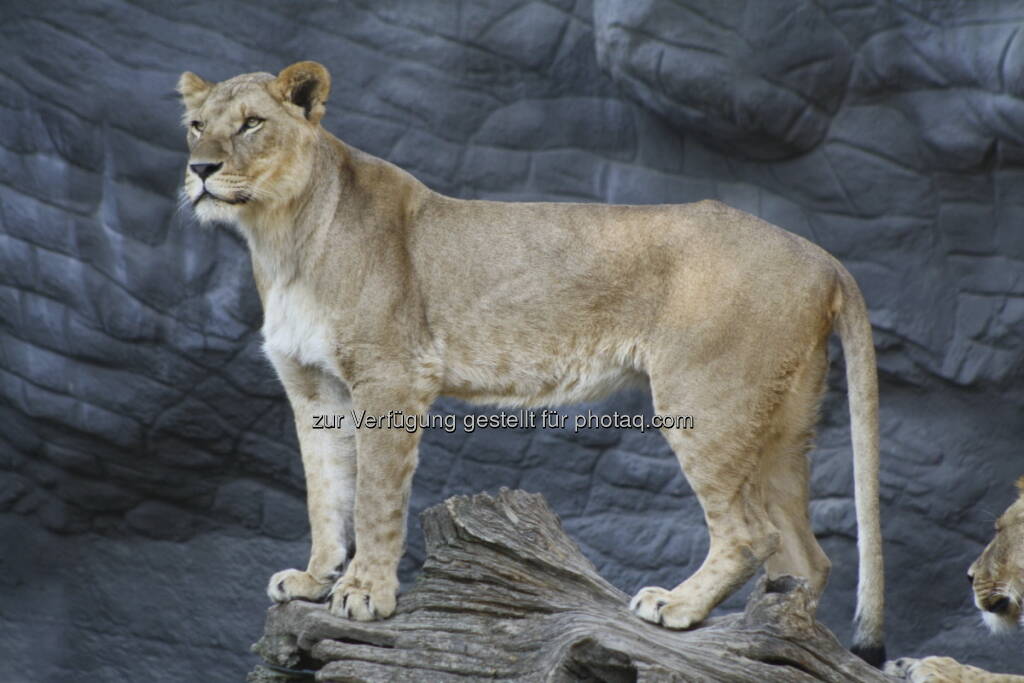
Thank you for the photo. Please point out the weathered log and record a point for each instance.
(505, 594)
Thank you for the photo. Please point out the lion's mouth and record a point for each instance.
(240, 199)
(1000, 612)
(997, 604)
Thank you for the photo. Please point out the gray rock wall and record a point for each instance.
(149, 479)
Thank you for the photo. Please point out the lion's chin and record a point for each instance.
(210, 209)
(1001, 624)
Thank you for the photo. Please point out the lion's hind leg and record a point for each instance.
(787, 476)
(720, 457)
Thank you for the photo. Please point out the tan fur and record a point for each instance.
(944, 670)
(381, 294)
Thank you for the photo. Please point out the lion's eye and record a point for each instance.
(252, 123)
(198, 126)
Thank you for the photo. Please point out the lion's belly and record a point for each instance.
(535, 379)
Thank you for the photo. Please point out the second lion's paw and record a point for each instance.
(934, 670)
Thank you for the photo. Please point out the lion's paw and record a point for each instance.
(900, 668)
(363, 599)
(665, 608)
(295, 584)
(931, 670)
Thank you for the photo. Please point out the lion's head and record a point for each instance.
(250, 139)
(998, 574)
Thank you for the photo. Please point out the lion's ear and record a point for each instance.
(193, 90)
(306, 85)
(1020, 485)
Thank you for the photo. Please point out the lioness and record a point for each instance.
(380, 294)
(997, 579)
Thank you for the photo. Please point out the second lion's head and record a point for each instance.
(997, 576)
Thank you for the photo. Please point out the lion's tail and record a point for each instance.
(854, 330)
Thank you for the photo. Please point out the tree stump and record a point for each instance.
(505, 594)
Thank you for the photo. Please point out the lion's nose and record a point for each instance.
(999, 606)
(204, 171)
(970, 578)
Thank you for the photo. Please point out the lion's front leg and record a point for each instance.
(323, 420)
(387, 459)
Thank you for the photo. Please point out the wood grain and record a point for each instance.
(505, 594)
